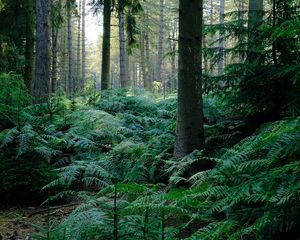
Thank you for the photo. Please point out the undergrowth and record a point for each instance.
(112, 153)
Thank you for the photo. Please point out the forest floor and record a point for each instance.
(20, 222)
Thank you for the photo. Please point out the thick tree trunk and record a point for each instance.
(189, 127)
(83, 57)
(106, 45)
(255, 19)
(78, 77)
(70, 75)
(29, 46)
(122, 43)
(42, 66)
(160, 42)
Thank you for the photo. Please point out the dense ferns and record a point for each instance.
(112, 154)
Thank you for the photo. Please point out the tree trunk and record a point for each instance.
(221, 40)
(78, 78)
(144, 73)
(255, 19)
(160, 42)
(29, 46)
(189, 127)
(54, 60)
(63, 61)
(70, 75)
(83, 57)
(106, 45)
(147, 52)
(122, 43)
(42, 65)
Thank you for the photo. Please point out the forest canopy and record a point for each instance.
(149, 119)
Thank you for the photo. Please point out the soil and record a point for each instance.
(21, 223)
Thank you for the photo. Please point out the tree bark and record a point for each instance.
(160, 42)
(78, 77)
(54, 60)
(63, 60)
(106, 46)
(122, 43)
(83, 57)
(29, 45)
(144, 72)
(70, 63)
(189, 127)
(42, 66)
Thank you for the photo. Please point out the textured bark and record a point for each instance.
(54, 60)
(83, 56)
(189, 127)
(255, 19)
(42, 66)
(143, 60)
(78, 77)
(122, 43)
(160, 42)
(63, 61)
(106, 45)
(29, 45)
(173, 49)
(70, 73)
(147, 52)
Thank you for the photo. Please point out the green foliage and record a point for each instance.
(113, 154)
(251, 193)
(254, 187)
(13, 97)
(261, 80)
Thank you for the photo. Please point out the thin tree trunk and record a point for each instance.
(63, 61)
(122, 43)
(143, 60)
(83, 57)
(106, 46)
(221, 40)
(29, 46)
(189, 126)
(42, 65)
(147, 52)
(54, 60)
(70, 75)
(160, 41)
(78, 77)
